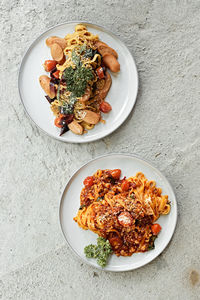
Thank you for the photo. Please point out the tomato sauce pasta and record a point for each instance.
(122, 211)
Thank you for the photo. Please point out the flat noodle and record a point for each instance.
(79, 38)
(55, 107)
(105, 200)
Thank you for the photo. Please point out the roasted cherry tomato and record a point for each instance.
(56, 74)
(105, 107)
(49, 65)
(88, 181)
(57, 121)
(125, 219)
(156, 228)
(125, 185)
(115, 242)
(100, 73)
(115, 173)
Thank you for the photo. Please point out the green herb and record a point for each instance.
(101, 251)
(82, 206)
(82, 48)
(151, 242)
(67, 108)
(77, 79)
(75, 58)
(89, 52)
(72, 99)
(99, 199)
(68, 75)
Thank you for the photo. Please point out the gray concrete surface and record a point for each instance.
(35, 261)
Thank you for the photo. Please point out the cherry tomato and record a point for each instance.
(105, 107)
(57, 121)
(88, 181)
(156, 228)
(115, 173)
(125, 185)
(56, 74)
(49, 65)
(125, 219)
(100, 73)
(116, 242)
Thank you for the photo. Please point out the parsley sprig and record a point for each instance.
(101, 251)
(77, 79)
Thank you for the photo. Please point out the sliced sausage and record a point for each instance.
(111, 62)
(103, 47)
(75, 127)
(61, 62)
(45, 84)
(125, 219)
(57, 52)
(90, 117)
(108, 81)
(55, 39)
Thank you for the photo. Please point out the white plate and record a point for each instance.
(122, 95)
(78, 238)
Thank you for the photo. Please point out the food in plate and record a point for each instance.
(122, 212)
(79, 80)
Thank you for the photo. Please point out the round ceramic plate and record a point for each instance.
(122, 95)
(78, 238)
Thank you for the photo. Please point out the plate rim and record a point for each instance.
(131, 156)
(25, 55)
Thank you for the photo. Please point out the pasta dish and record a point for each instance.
(79, 81)
(122, 211)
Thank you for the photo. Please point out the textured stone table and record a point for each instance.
(164, 127)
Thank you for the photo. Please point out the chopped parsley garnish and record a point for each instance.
(77, 79)
(90, 52)
(82, 48)
(101, 251)
(67, 108)
(75, 58)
